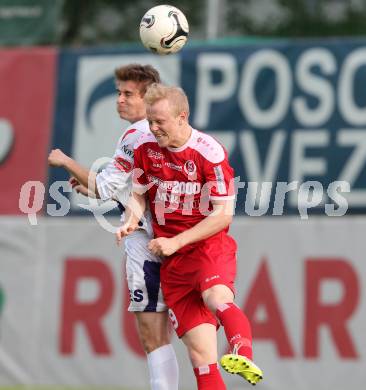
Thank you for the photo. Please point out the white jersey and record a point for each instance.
(115, 180)
(142, 267)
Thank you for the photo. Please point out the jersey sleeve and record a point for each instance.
(220, 180)
(139, 180)
(114, 181)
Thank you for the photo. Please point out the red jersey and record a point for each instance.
(182, 182)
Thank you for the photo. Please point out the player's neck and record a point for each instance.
(137, 119)
(183, 137)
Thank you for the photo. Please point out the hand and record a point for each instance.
(57, 158)
(74, 182)
(125, 230)
(79, 188)
(163, 246)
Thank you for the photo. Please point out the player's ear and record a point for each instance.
(183, 117)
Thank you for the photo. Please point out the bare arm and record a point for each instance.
(84, 176)
(220, 217)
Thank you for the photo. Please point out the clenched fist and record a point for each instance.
(57, 158)
(163, 246)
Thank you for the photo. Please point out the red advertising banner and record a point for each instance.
(27, 79)
(65, 320)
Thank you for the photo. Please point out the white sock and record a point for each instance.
(163, 368)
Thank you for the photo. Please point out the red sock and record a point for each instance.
(209, 378)
(237, 328)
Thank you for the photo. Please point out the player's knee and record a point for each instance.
(149, 344)
(216, 296)
(201, 356)
(151, 340)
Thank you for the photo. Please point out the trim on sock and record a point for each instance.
(161, 354)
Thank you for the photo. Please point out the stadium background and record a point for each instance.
(288, 110)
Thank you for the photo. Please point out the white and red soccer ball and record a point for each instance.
(164, 29)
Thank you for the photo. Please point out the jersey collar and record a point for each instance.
(183, 147)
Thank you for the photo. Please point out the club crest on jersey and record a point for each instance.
(122, 164)
(190, 169)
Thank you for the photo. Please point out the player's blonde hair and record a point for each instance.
(176, 97)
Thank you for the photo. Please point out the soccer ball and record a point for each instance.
(164, 29)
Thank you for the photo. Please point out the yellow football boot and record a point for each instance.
(241, 365)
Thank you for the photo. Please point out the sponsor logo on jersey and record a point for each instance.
(154, 154)
(175, 186)
(187, 204)
(157, 165)
(127, 151)
(155, 180)
(122, 164)
(186, 187)
(173, 166)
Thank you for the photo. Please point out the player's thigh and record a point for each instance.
(154, 325)
(201, 343)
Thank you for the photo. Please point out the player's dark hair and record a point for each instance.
(145, 75)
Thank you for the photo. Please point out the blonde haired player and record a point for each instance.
(142, 267)
(186, 176)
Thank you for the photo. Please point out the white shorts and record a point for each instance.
(143, 274)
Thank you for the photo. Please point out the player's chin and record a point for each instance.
(163, 142)
(124, 113)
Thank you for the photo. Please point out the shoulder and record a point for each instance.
(208, 147)
(145, 139)
(141, 126)
(134, 131)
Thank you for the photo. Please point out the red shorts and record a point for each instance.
(185, 276)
